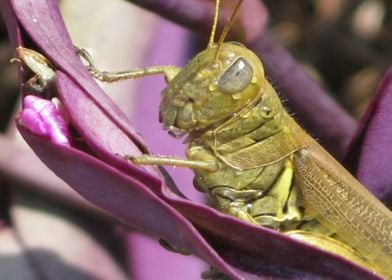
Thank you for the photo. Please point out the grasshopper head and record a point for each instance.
(212, 88)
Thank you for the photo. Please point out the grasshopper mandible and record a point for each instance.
(254, 160)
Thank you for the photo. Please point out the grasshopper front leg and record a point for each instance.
(168, 71)
(226, 199)
(235, 207)
(208, 165)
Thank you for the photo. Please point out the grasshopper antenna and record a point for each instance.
(227, 27)
(214, 24)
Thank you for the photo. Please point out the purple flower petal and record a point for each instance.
(43, 118)
(97, 128)
(32, 120)
(370, 151)
(103, 126)
(123, 196)
(43, 22)
(37, 177)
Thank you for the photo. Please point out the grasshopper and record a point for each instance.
(255, 162)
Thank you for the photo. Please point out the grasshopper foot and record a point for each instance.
(89, 63)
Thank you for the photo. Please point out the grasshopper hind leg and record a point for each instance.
(331, 245)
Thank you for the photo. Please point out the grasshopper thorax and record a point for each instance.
(212, 88)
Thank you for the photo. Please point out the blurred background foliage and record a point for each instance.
(344, 44)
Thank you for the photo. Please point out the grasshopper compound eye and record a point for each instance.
(236, 78)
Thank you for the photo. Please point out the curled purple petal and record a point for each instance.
(124, 197)
(370, 152)
(101, 123)
(43, 118)
(31, 119)
(38, 178)
(99, 131)
(43, 22)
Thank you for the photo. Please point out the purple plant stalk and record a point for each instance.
(140, 197)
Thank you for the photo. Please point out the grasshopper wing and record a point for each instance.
(341, 203)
